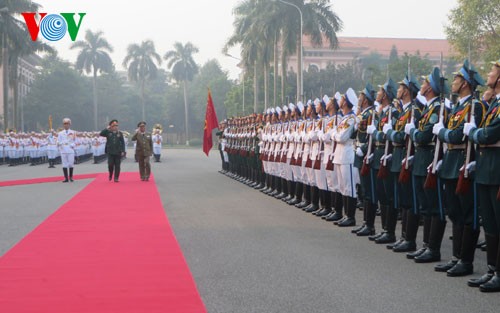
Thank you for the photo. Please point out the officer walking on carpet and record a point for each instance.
(115, 148)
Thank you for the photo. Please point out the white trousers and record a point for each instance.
(68, 160)
(348, 177)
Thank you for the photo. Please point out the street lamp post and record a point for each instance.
(300, 80)
(243, 81)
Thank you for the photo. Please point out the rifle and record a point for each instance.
(309, 161)
(464, 182)
(431, 179)
(330, 166)
(299, 159)
(383, 172)
(365, 169)
(404, 175)
(317, 163)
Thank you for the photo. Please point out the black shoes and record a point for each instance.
(366, 231)
(460, 269)
(476, 282)
(428, 256)
(386, 238)
(444, 267)
(493, 285)
(416, 253)
(347, 222)
(405, 246)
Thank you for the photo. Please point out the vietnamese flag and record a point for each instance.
(211, 122)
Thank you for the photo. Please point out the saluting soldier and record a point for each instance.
(434, 219)
(461, 208)
(487, 136)
(144, 150)
(115, 148)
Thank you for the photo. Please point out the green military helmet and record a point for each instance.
(369, 92)
(390, 88)
(434, 80)
(470, 74)
(412, 83)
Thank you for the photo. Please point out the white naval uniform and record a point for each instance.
(66, 144)
(316, 154)
(157, 141)
(331, 175)
(343, 159)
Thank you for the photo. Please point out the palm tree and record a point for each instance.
(142, 62)
(12, 35)
(94, 57)
(181, 62)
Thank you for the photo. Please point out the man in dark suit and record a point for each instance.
(143, 150)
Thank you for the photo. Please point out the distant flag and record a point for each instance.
(211, 122)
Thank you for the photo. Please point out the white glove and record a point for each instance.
(387, 157)
(437, 128)
(370, 157)
(471, 167)
(386, 128)
(438, 165)
(410, 160)
(409, 127)
(371, 129)
(359, 152)
(468, 127)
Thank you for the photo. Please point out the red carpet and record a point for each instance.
(43, 180)
(109, 249)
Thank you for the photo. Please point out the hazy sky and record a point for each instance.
(207, 24)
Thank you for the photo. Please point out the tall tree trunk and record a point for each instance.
(299, 71)
(275, 78)
(255, 87)
(186, 114)
(283, 75)
(94, 90)
(5, 71)
(266, 83)
(143, 82)
(15, 88)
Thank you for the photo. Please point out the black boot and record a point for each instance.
(380, 210)
(370, 213)
(324, 197)
(433, 252)
(412, 223)
(390, 230)
(290, 186)
(404, 214)
(110, 171)
(284, 189)
(427, 231)
(492, 242)
(306, 199)
(350, 220)
(457, 233)
(338, 206)
(465, 265)
(65, 171)
(357, 229)
(299, 188)
(71, 174)
(493, 285)
(314, 200)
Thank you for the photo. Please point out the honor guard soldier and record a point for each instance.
(157, 143)
(381, 163)
(296, 164)
(459, 198)
(366, 102)
(428, 198)
(343, 159)
(402, 148)
(66, 144)
(487, 177)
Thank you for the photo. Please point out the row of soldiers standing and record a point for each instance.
(404, 150)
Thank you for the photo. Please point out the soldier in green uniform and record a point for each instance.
(423, 138)
(366, 99)
(384, 186)
(143, 150)
(487, 136)
(115, 148)
(461, 208)
(406, 94)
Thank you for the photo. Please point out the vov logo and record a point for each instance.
(53, 26)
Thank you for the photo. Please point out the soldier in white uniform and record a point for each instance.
(343, 159)
(157, 142)
(66, 143)
(52, 148)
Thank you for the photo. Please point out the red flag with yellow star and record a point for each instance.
(211, 122)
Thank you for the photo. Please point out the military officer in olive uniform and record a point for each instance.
(115, 148)
(143, 150)
(487, 136)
